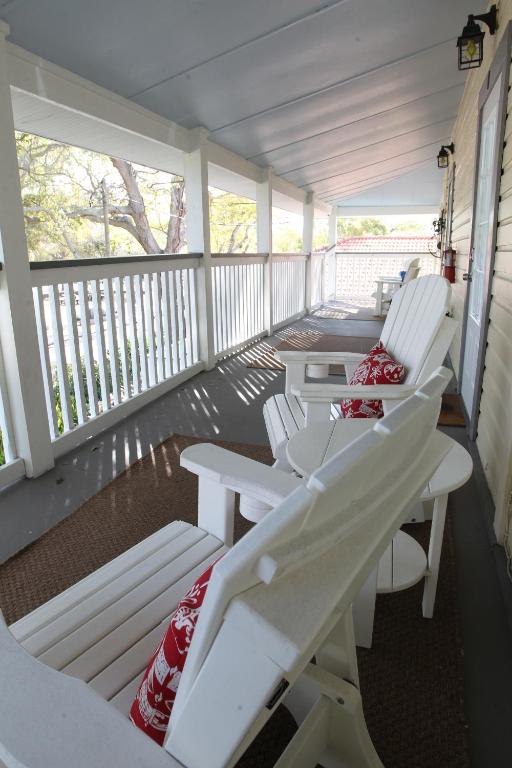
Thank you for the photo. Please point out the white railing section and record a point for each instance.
(288, 286)
(356, 273)
(317, 277)
(329, 275)
(238, 301)
(111, 329)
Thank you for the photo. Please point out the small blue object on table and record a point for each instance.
(402, 275)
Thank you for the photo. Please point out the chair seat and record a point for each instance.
(284, 416)
(104, 629)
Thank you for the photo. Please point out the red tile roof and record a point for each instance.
(386, 244)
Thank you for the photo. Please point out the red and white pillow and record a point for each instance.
(378, 367)
(152, 706)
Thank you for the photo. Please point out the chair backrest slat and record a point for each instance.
(415, 317)
(413, 270)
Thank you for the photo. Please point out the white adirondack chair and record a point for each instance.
(384, 296)
(417, 332)
(280, 596)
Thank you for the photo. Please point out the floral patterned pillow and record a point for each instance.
(152, 706)
(378, 367)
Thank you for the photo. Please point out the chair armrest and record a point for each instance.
(329, 393)
(53, 719)
(320, 358)
(239, 473)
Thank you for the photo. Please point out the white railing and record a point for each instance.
(238, 301)
(288, 286)
(110, 330)
(317, 278)
(329, 275)
(356, 273)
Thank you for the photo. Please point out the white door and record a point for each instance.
(482, 244)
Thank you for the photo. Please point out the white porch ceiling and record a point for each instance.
(339, 97)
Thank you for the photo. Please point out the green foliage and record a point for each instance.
(2, 452)
(97, 383)
(232, 223)
(67, 190)
(358, 227)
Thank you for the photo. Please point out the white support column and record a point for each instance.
(307, 244)
(264, 233)
(330, 280)
(18, 330)
(198, 238)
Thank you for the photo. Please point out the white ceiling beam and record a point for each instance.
(384, 210)
(74, 96)
(47, 81)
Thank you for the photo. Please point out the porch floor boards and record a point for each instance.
(226, 403)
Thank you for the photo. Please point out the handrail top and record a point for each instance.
(113, 260)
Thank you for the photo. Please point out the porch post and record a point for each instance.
(307, 244)
(264, 239)
(198, 237)
(18, 330)
(331, 272)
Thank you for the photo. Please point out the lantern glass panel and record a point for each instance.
(470, 51)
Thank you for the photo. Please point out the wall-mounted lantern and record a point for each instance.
(471, 42)
(443, 158)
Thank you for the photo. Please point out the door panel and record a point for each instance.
(483, 227)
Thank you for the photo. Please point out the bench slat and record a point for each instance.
(109, 636)
(110, 592)
(121, 670)
(62, 602)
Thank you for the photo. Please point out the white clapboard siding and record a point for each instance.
(109, 332)
(494, 438)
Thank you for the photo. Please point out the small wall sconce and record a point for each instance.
(471, 42)
(443, 158)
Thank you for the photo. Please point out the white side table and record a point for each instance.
(405, 563)
(379, 293)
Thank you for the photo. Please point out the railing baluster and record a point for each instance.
(119, 305)
(132, 334)
(188, 320)
(58, 345)
(74, 352)
(100, 343)
(173, 298)
(157, 313)
(166, 340)
(141, 331)
(194, 315)
(112, 339)
(190, 304)
(179, 309)
(215, 294)
(222, 305)
(44, 352)
(90, 373)
(150, 329)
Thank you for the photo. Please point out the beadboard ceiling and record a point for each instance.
(340, 98)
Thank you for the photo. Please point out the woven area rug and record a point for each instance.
(411, 680)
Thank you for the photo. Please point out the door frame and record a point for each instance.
(499, 66)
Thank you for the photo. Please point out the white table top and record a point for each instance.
(313, 446)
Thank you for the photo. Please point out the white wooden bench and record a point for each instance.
(417, 333)
(280, 596)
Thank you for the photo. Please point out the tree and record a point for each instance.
(232, 223)
(72, 198)
(358, 227)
